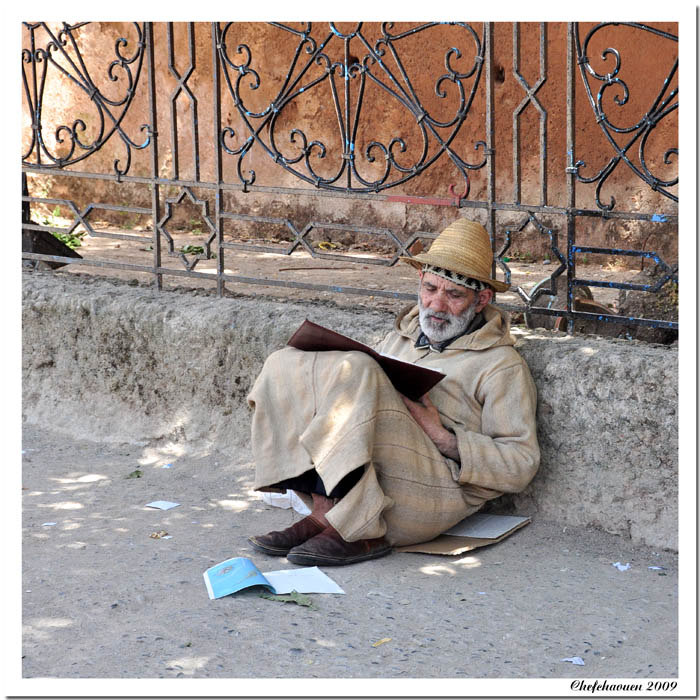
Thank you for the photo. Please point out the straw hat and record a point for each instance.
(463, 247)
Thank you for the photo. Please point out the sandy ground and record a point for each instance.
(102, 599)
(301, 267)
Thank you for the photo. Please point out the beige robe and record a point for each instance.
(336, 411)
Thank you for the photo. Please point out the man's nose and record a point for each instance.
(438, 301)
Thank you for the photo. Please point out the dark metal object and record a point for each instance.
(42, 242)
(313, 69)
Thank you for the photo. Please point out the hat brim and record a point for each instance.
(421, 259)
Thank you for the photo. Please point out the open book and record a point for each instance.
(411, 380)
(238, 573)
(476, 530)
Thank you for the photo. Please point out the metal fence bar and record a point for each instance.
(218, 215)
(155, 192)
(413, 199)
(571, 173)
(490, 147)
(36, 61)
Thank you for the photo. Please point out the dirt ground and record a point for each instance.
(101, 598)
(301, 267)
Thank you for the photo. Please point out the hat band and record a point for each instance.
(461, 280)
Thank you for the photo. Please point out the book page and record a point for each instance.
(308, 580)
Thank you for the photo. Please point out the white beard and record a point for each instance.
(439, 332)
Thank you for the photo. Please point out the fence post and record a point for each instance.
(570, 172)
(218, 220)
(155, 191)
(490, 164)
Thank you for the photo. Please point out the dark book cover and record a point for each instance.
(411, 380)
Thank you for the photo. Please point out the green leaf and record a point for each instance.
(136, 474)
(293, 597)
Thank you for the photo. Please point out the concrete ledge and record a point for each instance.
(107, 361)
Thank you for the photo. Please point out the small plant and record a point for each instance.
(72, 240)
(195, 250)
(519, 256)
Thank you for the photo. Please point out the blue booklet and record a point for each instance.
(238, 573)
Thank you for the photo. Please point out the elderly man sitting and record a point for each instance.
(377, 468)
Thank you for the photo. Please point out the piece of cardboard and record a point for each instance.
(471, 534)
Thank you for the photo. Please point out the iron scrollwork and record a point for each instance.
(662, 106)
(62, 54)
(353, 73)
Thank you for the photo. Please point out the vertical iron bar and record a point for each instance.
(543, 116)
(36, 114)
(571, 179)
(173, 103)
(517, 193)
(347, 111)
(155, 189)
(193, 103)
(218, 220)
(490, 166)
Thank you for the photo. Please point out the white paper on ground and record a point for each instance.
(162, 505)
(307, 580)
(286, 500)
(485, 525)
(576, 660)
(622, 567)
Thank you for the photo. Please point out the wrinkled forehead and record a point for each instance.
(442, 283)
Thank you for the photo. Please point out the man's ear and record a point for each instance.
(483, 297)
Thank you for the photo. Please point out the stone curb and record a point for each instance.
(111, 362)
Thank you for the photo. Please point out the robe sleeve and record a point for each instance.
(505, 456)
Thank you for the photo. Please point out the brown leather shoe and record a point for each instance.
(279, 542)
(329, 549)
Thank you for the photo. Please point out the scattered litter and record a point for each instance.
(166, 466)
(47, 524)
(292, 597)
(167, 537)
(382, 641)
(482, 592)
(136, 474)
(622, 567)
(160, 534)
(162, 505)
(286, 500)
(657, 568)
(576, 660)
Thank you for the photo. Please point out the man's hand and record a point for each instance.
(427, 416)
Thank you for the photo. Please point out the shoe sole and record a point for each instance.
(272, 551)
(320, 560)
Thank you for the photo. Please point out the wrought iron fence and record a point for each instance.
(339, 65)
